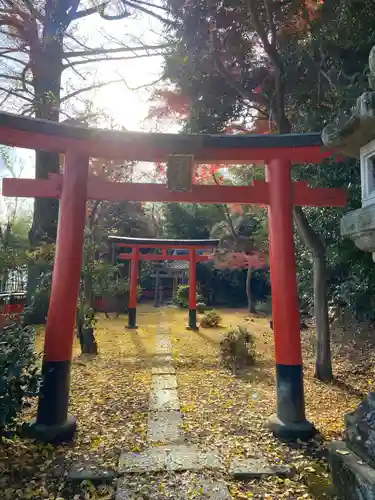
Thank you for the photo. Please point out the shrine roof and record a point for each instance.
(155, 242)
(47, 135)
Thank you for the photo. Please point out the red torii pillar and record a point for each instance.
(193, 289)
(290, 420)
(132, 306)
(52, 423)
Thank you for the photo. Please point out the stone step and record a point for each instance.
(164, 400)
(164, 381)
(163, 370)
(184, 489)
(256, 468)
(165, 427)
(178, 457)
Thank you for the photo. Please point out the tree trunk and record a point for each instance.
(86, 337)
(317, 249)
(250, 301)
(47, 70)
(323, 366)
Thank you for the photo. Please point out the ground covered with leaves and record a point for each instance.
(110, 397)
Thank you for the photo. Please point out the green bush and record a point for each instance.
(238, 349)
(18, 372)
(210, 320)
(181, 297)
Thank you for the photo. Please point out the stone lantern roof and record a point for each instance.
(349, 135)
(354, 136)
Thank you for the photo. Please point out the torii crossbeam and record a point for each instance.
(278, 152)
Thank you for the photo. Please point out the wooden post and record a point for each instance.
(290, 421)
(132, 306)
(52, 423)
(192, 289)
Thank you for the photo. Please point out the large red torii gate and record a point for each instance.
(277, 151)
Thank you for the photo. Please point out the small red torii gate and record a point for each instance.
(277, 151)
(136, 255)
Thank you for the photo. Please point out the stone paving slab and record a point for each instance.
(85, 471)
(165, 427)
(215, 490)
(169, 458)
(162, 360)
(252, 468)
(163, 370)
(182, 488)
(163, 340)
(164, 399)
(163, 382)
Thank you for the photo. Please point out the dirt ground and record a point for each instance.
(110, 395)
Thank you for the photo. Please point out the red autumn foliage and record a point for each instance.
(169, 103)
(239, 260)
(308, 12)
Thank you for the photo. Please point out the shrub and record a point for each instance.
(211, 320)
(18, 371)
(238, 349)
(181, 297)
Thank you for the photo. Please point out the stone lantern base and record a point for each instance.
(352, 461)
(359, 225)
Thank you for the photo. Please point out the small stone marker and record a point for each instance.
(169, 458)
(252, 468)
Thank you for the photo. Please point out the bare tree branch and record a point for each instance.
(88, 12)
(11, 58)
(78, 42)
(102, 50)
(33, 10)
(16, 94)
(108, 59)
(87, 89)
(15, 78)
(142, 2)
(162, 19)
(271, 22)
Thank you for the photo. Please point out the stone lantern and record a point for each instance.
(353, 461)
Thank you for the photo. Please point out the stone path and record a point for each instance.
(171, 467)
(169, 452)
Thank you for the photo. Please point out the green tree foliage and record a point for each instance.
(315, 55)
(190, 221)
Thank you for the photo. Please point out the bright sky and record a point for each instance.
(127, 107)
